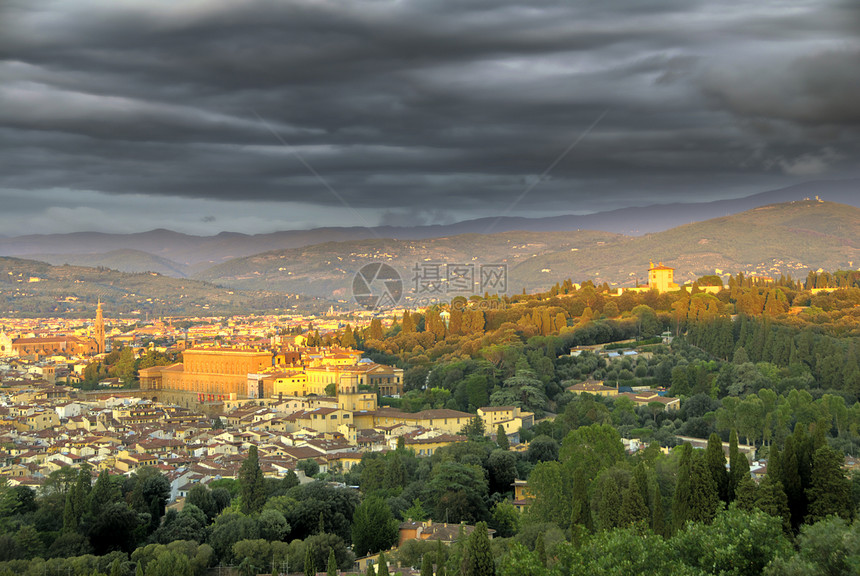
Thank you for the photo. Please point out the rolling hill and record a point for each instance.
(35, 289)
(788, 238)
(181, 255)
(124, 260)
(329, 268)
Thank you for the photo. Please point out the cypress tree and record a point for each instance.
(734, 458)
(480, 557)
(741, 474)
(502, 438)
(704, 501)
(745, 494)
(383, 565)
(792, 483)
(608, 497)
(640, 474)
(408, 323)
(633, 507)
(580, 509)
(369, 571)
(347, 340)
(82, 488)
(426, 565)
(101, 494)
(540, 549)
(658, 520)
(332, 564)
(463, 551)
(716, 462)
(683, 489)
(804, 448)
(830, 491)
(251, 486)
(395, 473)
(771, 499)
(310, 565)
(440, 559)
(70, 520)
(376, 329)
(774, 462)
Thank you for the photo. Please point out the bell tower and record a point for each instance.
(99, 330)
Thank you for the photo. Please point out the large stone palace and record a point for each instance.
(219, 374)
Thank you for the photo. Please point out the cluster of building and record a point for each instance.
(644, 396)
(259, 387)
(44, 428)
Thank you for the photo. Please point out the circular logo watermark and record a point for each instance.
(377, 285)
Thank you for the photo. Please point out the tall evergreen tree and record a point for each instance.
(373, 528)
(383, 565)
(580, 508)
(740, 475)
(426, 565)
(829, 491)
(640, 474)
(408, 323)
(70, 519)
(440, 559)
(480, 557)
(683, 488)
(716, 462)
(502, 438)
(792, 483)
(658, 518)
(376, 329)
(331, 569)
(310, 565)
(608, 499)
(734, 458)
(540, 549)
(102, 493)
(83, 485)
(251, 486)
(633, 506)
(770, 498)
(704, 501)
(745, 494)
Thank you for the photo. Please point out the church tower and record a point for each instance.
(99, 330)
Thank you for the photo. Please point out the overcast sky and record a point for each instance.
(254, 116)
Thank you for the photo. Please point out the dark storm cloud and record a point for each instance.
(425, 110)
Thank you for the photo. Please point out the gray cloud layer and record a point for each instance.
(417, 110)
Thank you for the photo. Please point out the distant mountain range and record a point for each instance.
(34, 289)
(789, 238)
(179, 255)
(785, 238)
